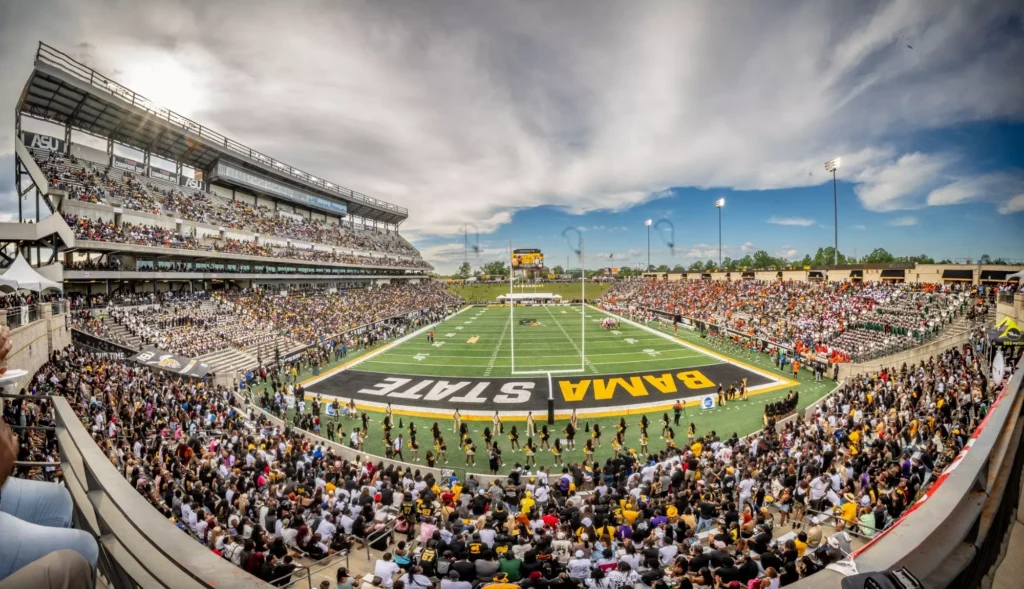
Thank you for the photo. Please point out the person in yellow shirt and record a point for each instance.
(801, 544)
(527, 502)
(848, 510)
(696, 448)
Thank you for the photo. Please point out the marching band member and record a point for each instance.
(457, 422)
(531, 430)
(496, 422)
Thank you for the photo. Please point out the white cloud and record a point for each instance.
(791, 221)
(860, 227)
(1014, 205)
(900, 184)
(6, 217)
(787, 252)
(903, 222)
(467, 112)
(748, 247)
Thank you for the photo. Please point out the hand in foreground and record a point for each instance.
(8, 452)
(5, 347)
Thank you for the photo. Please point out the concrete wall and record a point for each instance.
(1013, 310)
(797, 275)
(31, 344)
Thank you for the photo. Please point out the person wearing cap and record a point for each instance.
(814, 533)
(579, 567)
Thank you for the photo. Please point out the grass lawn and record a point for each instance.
(551, 343)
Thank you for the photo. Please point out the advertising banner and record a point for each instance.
(163, 175)
(131, 165)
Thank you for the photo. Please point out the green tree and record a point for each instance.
(746, 261)
(558, 270)
(825, 256)
(696, 267)
(678, 269)
(728, 263)
(879, 256)
(662, 268)
(709, 265)
(495, 268)
(807, 261)
(985, 259)
(763, 260)
(463, 271)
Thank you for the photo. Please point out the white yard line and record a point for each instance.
(497, 348)
(775, 379)
(573, 342)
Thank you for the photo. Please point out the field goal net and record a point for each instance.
(547, 331)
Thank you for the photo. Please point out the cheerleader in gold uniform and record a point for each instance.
(414, 449)
(435, 431)
(470, 449)
(463, 433)
(441, 448)
(617, 444)
(556, 450)
(596, 435)
(621, 428)
(570, 436)
(664, 424)
(670, 439)
(530, 451)
(690, 433)
(588, 450)
(488, 437)
(643, 443)
(545, 435)
(430, 459)
(513, 438)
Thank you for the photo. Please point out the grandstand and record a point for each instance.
(797, 426)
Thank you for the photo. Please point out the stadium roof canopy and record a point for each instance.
(63, 91)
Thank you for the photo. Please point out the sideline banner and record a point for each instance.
(156, 358)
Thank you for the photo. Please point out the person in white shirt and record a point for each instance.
(667, 554)
(579, 567)
(385, 568)
(326, 529)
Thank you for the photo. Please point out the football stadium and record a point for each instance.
(221, 370)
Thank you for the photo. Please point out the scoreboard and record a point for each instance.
(527, 258)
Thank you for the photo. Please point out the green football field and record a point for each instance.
(494, 341)
(476, 292)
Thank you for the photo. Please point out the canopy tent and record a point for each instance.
(21, 276)
(1016, 276)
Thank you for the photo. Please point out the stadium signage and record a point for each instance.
(191, 183)
(37, 141)
(163, 175)
(128, 164)
(269, 186)
(622, 392)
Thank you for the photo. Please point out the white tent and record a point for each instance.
(1016, 276)
(21, 276)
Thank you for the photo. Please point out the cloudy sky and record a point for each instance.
(514, 120)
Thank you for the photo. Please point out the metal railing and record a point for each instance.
(20, 316)
(55, 58)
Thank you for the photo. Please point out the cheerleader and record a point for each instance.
(690, 433)
(386, 425)
(366, 420)
(389, 417)
(617, 444)
(488, 437)
(743, 389)
(670, 441)
(545, 435)
(457, 422)
(530, 451)
(643, 443)
(430, 459)
(664, 424)
(643, 423)
(570, 436)
(588, 450)
(621, 428)
(389, 451)
(414, 449)
(596, 435)
(470, 449)
(574, 421)
(499, 428)
(351, 409)
(463, 433)
(362, 437)
(435, 431)
(441, 448)
(556, 450)
(513, 438)
(531, 430)
(412, 429)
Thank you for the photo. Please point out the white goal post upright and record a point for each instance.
(512, 324)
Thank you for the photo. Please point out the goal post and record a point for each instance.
(580, 348)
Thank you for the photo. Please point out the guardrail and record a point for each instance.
(23, 315)
(952, 536)
(138, 546)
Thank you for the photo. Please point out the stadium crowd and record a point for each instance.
(90, 182)
(152, 235)
(839, 321)
(718, 511)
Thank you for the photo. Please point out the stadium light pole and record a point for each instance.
(720, 204)
(648, 222)
(832, 166)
